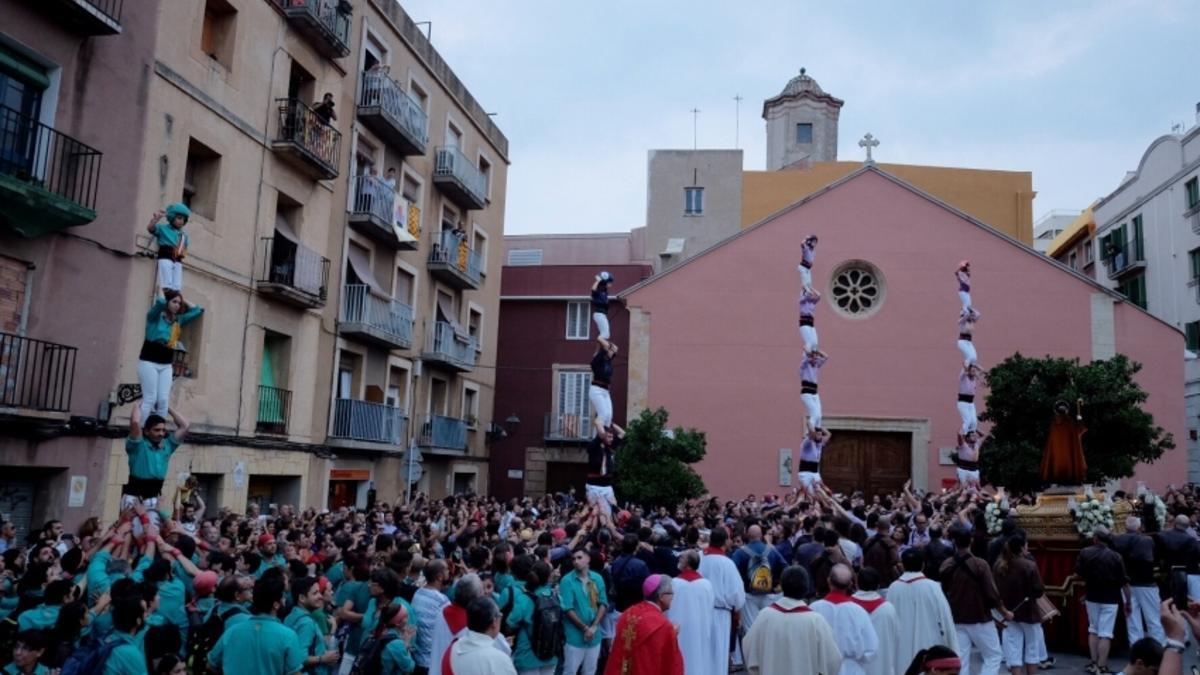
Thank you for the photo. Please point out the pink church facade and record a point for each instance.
(714, 340)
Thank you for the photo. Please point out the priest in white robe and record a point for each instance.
(452, 622)
(851, 624)
(692, 611)
(788, 637)
(922, 609)
(884, 620)
(729, 594)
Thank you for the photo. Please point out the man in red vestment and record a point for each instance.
(646, 642)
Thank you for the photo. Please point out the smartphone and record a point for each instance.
(1179, 587)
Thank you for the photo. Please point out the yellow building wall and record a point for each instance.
(1002, 199)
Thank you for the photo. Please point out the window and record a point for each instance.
(1137, 239)
(485, 167)
(449, 218)
(1072, 262)
(519, 257)
(349, 367)
(1135, 290)
(1192, 330)
(412, 190)
(405, 283)
(21, 83)
(1192, 190)
(693, 201)
(475, 327)
(301, 84)
(857, 289)
(470, 407)
(201, 179)
(437, 395)
(397, 390)
(573, 409)
(1194, 263)
(454, 136)
(1089, 255)
(480, 244)
(419, 94)
(804, 132)
(187, 348)
(217, 32)
(579, 320)
(274, 399)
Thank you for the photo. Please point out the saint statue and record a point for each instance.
(1063, 462)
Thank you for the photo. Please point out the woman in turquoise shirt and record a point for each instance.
(352, 601)
(521, 620)
(393, 625)
(166, 317)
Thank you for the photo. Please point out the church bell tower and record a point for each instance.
(802, 124)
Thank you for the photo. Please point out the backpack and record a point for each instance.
(202, 640)
(546, 635)
(89, 658)
(370, 656)
(758, 572)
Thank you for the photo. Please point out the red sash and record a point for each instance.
(456, 618)
(689, 575)
(837, 597)
(795, 610)
(446, 669)
(914, 579)
(869, 605)
(713, 551)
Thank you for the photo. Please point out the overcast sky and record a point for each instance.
(1072, 91)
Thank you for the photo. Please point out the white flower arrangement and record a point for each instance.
(993, 515)
(1092, 512)
(1160, 508)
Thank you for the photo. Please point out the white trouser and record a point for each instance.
(809, 479)
(1145, 619)
(754, 605)
(1020, 644)
(965, 297)
(1194, 587)
(812, 403)
(151, 504)
(968, 478)
(1040, 636)
(970, 419)
(967, 349)
(573, 657)
(805, 277)
(601, 496)
(601, 320)
(601, 404)
(170, 274)
(1101, 618)
(155, 379)
(986, 639)
(809, 335)
(347, 664)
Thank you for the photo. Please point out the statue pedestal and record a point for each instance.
(1055, 544)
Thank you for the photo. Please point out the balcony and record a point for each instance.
(454, 263)
(459, 179)
(89, 17)
(324, 23)
(384, 216)
(443, 434)
(393, 114)
(274, 410)
(306, 141)
(384, 322)
(566, 428)
(48, 180)
(1125, 258)
(36, 377)
(362, 422)
(293, 273)
(448, 348)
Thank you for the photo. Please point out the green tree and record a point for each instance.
(1020, 406)
(653, 466)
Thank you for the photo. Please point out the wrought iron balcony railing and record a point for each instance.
(35, 374)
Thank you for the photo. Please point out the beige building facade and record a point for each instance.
(349, 314)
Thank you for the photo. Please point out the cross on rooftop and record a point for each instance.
(869, 142)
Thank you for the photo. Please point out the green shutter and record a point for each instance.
(1192, 330)
(24, 69)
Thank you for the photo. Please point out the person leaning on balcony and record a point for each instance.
(172, 244)
(150, 448)
(324, 108)
(166, 317)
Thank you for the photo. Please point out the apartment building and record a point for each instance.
(70, 113)
(545, 346)
(347, 315)
(1148, 239)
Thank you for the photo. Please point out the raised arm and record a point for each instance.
(152, 226)
(181, 425)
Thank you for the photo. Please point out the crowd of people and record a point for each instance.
(468, 584)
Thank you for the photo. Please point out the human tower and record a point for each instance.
(816, 436)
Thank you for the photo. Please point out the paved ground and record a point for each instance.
(1072, 663)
